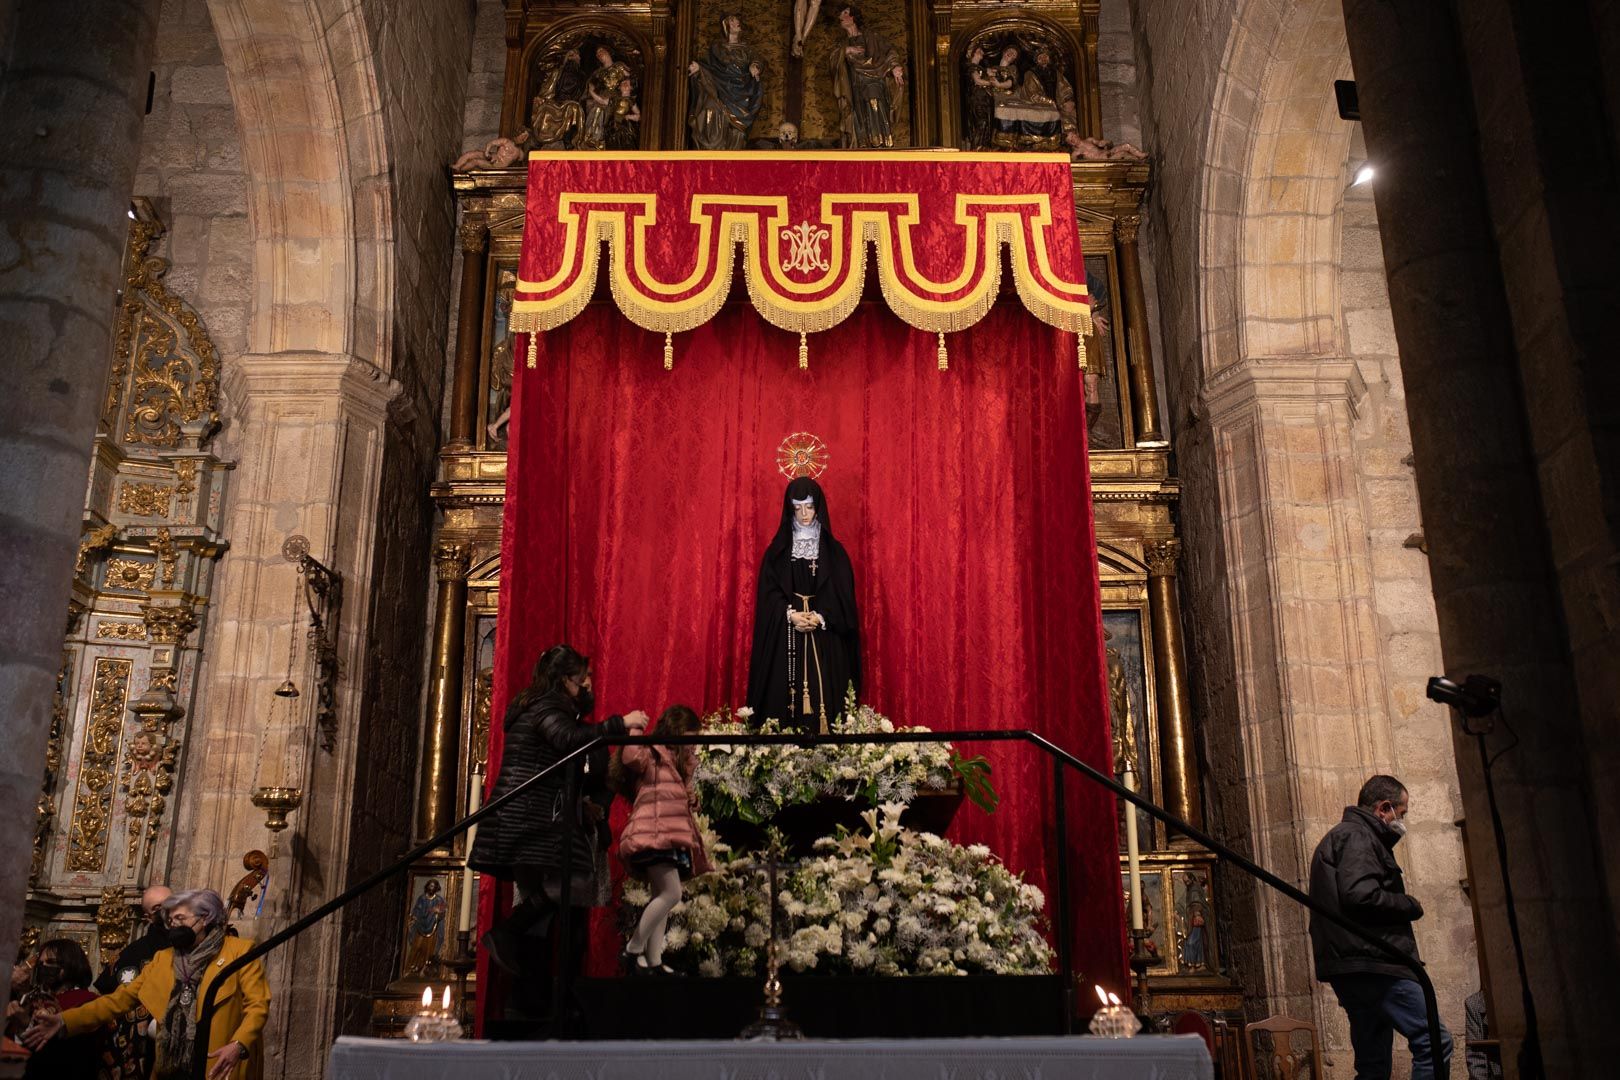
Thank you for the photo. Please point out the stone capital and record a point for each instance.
(1254, 380)
(359, 386)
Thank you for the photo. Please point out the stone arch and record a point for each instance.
(311, 122)
(1272, 185)
(1304, 503)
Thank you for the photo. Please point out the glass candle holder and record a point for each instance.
(1115, 1022)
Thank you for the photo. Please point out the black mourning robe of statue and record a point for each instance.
(798, 677)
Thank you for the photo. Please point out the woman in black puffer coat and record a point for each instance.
(522, 842)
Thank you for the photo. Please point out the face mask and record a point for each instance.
(1399, 825)
(182, 938)
(585, 701)
(48, 976)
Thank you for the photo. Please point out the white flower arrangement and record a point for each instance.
(890, 901)
(754, 783)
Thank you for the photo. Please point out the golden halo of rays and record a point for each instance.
(802, 454)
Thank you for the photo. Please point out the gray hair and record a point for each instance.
(203, 903)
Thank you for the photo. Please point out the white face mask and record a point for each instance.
(1399, 825)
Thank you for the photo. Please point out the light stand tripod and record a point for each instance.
(1479, 697)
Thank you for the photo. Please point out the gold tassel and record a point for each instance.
(804, 365)
(807, 699)
(534, 349)
(944, 357)
(1080, 350)
(669, 351)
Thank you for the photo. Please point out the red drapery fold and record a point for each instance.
(639, 502)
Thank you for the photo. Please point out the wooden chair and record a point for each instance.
(1286, 1057)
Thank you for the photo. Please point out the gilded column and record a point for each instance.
(474, 238)
(1178, 760)
(1138, 349)
(436, 796)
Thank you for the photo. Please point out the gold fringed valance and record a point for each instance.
(804, 223)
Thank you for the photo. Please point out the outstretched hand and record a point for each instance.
(42, 1031)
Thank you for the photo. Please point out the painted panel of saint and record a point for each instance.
(1128, 708)
(424, 927)
(498, 379)
(1017, 90)
(1105, 403)
(1152, 914)
(1194, 922)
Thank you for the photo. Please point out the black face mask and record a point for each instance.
(585, 701)
(47, 976)
(182, 938)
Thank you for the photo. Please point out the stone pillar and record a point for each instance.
(1311, 718)
(1138, 349)
(72, 87)
(309, 441)
(441, 741)
(1486, 514)
(464, 410)
(1178, 765)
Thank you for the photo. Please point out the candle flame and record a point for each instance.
(446, 1005)
(427, 996)
(1113, 999)
(1102, 995)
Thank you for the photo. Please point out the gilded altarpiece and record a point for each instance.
(1135, 490)
(114, 764)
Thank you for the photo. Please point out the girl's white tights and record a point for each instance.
(648, 940)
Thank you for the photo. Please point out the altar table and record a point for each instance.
(1159, 1057)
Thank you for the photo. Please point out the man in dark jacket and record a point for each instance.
(129, 963)
(1354, 873)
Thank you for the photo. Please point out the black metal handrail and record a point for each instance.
(1060, 758)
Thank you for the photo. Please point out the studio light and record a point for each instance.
(1475, 696)
(1363, 175)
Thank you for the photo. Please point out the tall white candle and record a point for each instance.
(475, 799)
(1133, 853)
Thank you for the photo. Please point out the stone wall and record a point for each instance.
(191, 166)
(420, 57)
(1312, 625)
(1116, 73)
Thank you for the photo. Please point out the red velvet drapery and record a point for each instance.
(639, 501)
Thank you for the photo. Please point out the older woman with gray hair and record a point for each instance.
(172, 988)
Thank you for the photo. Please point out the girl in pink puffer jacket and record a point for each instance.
(660, 842)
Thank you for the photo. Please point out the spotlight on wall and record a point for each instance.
(1477, 695)
(1364, 175)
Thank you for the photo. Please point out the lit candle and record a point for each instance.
(427, 998)
(469, 885)
(1113, 999)
(1102, 996)
(1133, 853)
(446, 1005)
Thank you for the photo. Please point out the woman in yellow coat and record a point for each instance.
(172, 987)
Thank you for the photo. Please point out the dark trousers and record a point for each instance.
(532, 929)
(1378, 1007)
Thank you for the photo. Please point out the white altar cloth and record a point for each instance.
(1159, 1057)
